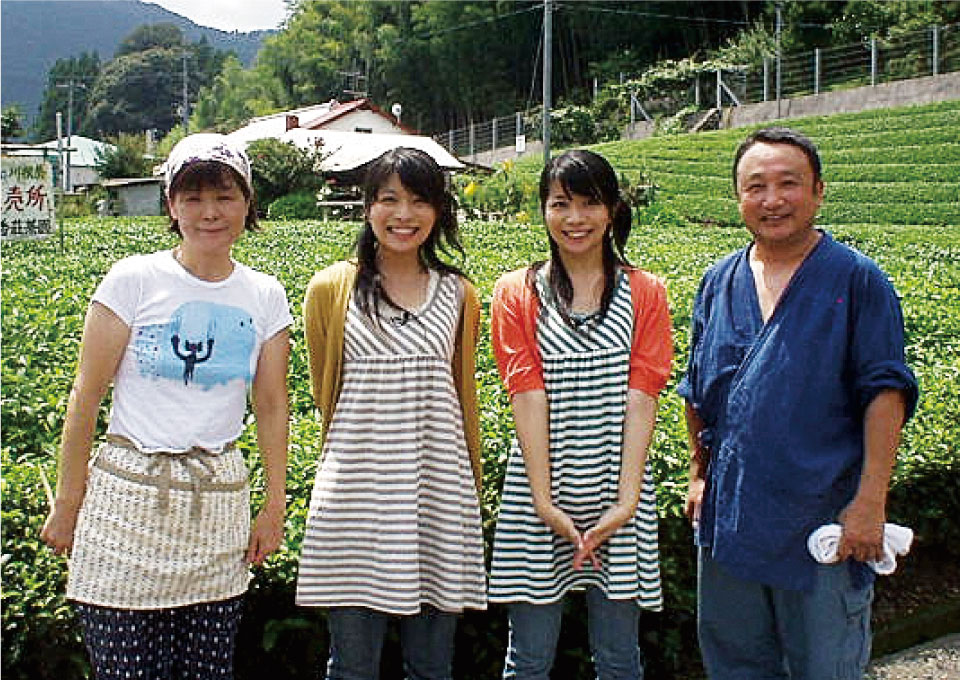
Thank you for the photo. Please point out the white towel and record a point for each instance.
(823, 544)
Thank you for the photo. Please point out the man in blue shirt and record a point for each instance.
(796, 392)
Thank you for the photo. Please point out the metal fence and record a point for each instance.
(927, 52)
(480, 137)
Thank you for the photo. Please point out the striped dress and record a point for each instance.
(394, 521)
(585, 371)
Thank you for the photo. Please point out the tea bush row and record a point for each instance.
(908, 173)
(679, 184)
(722, 151)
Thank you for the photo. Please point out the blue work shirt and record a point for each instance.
(783, 403)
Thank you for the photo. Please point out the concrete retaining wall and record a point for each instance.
(886, 95)
(926, 90)
(490, 158)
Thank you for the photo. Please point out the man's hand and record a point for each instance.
(862, 537)
(694, 500)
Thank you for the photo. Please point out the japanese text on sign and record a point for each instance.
(27, 198)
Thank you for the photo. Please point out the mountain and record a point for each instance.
(38, 32)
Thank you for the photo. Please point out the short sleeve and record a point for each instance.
(278, 314)
(651, 354)
(513, 338)
(120, 290)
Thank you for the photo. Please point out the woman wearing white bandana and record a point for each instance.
(157, 521)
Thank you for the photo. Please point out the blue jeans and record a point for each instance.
(752, 631)
(613, 629)
(356, 639)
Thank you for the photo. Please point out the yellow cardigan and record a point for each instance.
(324, 317)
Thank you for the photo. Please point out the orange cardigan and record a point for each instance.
(513, 327)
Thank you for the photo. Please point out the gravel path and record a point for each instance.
(936, 660)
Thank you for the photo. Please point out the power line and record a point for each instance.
(479, 22)
(585, 7)
(655, 15)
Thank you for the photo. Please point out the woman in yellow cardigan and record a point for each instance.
(394, 527)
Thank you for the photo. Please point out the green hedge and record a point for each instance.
(947, 173)
(875, 173)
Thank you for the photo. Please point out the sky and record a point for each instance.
(229, 15)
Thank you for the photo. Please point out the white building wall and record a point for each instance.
(364, 121)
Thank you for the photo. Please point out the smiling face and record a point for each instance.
(778, 194)
(401, 219)
(577, 223)
(210, 217)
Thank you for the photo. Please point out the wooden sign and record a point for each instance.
(28, 210)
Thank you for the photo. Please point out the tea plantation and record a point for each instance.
(883, 167)
(903, 211)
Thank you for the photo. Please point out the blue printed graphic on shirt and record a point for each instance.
(203, 344)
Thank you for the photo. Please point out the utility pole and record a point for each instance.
(547, 75)
(63, 175)
(779, 56)
(69, 84)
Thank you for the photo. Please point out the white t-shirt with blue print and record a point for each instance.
(193, 350)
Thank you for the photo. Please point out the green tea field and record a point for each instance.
(45, 293)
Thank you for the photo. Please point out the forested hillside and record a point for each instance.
(39, 32)
(453, 63)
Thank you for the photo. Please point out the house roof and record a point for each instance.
(343, 109)
(275, 124)
(311, 117)
(345, 151)
(131, 181)
(84, 154)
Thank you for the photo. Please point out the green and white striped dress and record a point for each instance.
(394, 521)
(586, 371)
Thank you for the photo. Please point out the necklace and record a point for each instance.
(412, 296)
(178, 257)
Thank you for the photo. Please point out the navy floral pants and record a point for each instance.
(195, 642)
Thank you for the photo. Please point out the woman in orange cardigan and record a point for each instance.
(583, 345)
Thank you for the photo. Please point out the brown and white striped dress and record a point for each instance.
(394, 522)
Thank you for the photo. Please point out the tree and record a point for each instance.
(142, 87)
(321, 40)
(862, 19)
(453, 63)
(472, 74)
(281, 168)
(135, 92)
(12, 126)
(149, 36)
(82, 72)
(125, 158)
(235, 96)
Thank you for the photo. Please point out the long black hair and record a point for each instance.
(585, 173)
(420, 175)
